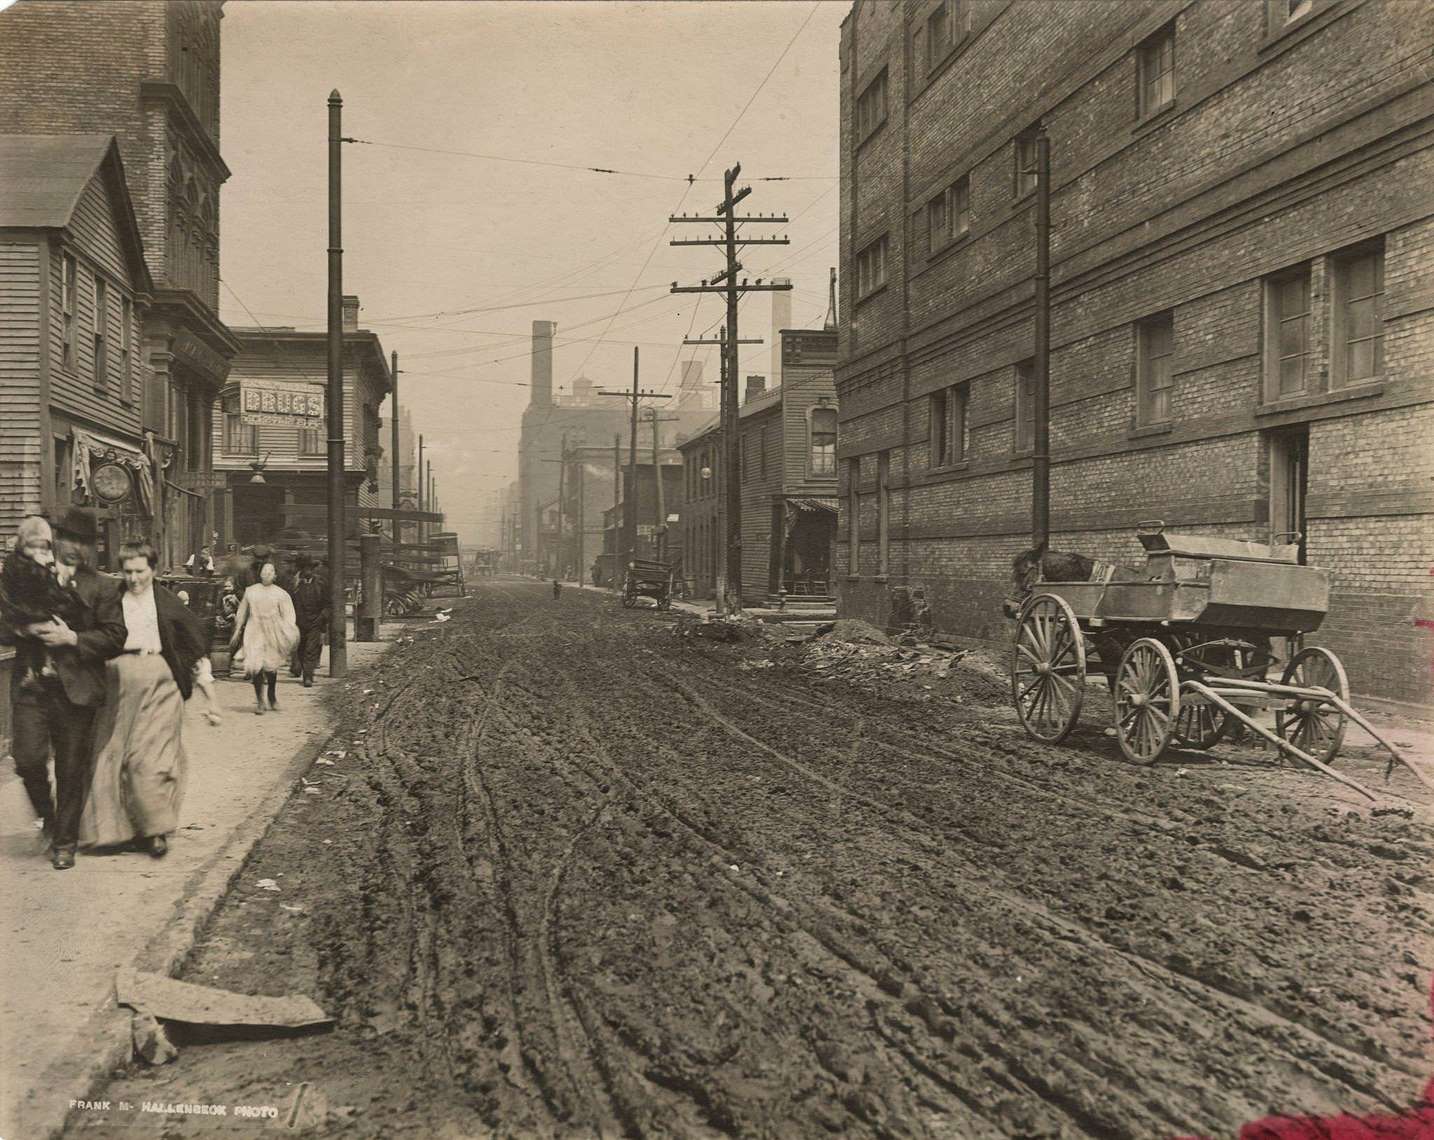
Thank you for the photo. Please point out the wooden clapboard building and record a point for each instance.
(270, 436)
(73, 290)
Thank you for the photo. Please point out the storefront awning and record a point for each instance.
(813, 505)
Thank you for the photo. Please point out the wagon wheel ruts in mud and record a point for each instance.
(1147, 700)
(1315, 726)
(1048, 668)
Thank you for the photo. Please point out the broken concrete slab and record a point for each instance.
(173, 1000)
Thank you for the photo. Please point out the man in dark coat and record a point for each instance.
(310, 592)
(58, 682)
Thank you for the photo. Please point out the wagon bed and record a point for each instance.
(1185, 644)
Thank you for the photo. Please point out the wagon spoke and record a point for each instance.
(1035, 680)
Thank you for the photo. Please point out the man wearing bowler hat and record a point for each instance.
(58, 683)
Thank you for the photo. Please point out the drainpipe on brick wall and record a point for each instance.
(1041, 467)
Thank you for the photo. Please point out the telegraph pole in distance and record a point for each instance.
(659, 536)
(729, 241)
(418, 483)
(334, 402)
(616, 499)
(393, 466)
(629, 514)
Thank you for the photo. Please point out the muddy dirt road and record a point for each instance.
(576, 876)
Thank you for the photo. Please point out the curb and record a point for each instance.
(104, 1045)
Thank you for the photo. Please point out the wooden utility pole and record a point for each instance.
(334, 402)
(393, 465)
(659, 534)
(582, 535)
(1041, 411)
(562, 463)
(726, 282)
(418, 483)
(616, 500)
(629, 513)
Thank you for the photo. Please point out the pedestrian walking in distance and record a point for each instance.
(58, 678)
(266, 627)
(140, 763)
(310, 593)
(557, 589)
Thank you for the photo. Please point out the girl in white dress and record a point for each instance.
(269, 631)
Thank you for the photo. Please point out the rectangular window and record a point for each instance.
(871, 267)
(948, 215)
(1025, 405)
(824, 441)
(1154, 352)
(312, 442)
(853, 516)
(883, 513)
(69, 296)
(949, 433)
(1026, 161)
(239, 438)
(1358, 335)
(126, 365)
(1287, 334)
(938, 34)
(101, 331)
(1156, 69)
(871, 106)
(1283, 12)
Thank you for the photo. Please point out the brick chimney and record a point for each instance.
(756, 385)
(351, 310)
(781, 319)
(540, 390)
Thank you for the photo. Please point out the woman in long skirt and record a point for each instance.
(270, 634)
(140, 763)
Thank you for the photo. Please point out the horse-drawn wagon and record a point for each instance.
(1185, 644)
(646, 578)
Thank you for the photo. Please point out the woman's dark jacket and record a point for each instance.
(182, 637)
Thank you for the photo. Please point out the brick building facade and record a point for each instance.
(1241, 287)
(147, 72)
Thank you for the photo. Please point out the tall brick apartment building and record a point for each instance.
(1242, 290)
(147, 72)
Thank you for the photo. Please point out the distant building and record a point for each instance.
(147, 72)
(1241, 326)
(270, 431)
(652, 530)
(585, 419)
(787, 471)
(73, 286)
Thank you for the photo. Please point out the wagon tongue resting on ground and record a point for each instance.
(1186, 646)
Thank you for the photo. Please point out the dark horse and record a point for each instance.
(1041, 565)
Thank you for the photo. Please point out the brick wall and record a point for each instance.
(1280, 149)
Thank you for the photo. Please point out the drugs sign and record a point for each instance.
(282, 403)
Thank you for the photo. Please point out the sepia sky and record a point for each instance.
(453, 256)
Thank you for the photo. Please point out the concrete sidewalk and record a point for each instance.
(64, 933)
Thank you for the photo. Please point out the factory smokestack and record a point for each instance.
(541, 388)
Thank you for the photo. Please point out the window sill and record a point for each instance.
(853, 577)
(1022, 459)
(943, 251)
(871, 134)
(1152, 119)
(882, 579)
(1361, 391)
(865, 297)
(1146, 430)
(949, 468)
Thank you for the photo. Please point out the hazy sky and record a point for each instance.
(648, 88)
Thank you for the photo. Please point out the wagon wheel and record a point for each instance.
(1048, 668)
(394, 605)
(629, 600)
(1202, 725)
(1314, 726)
(1147, 700)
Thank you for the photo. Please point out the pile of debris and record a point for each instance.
(713, 628)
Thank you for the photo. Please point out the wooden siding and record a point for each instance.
(20, 411)
(293, 362)
(93, 239)
(803, 388)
